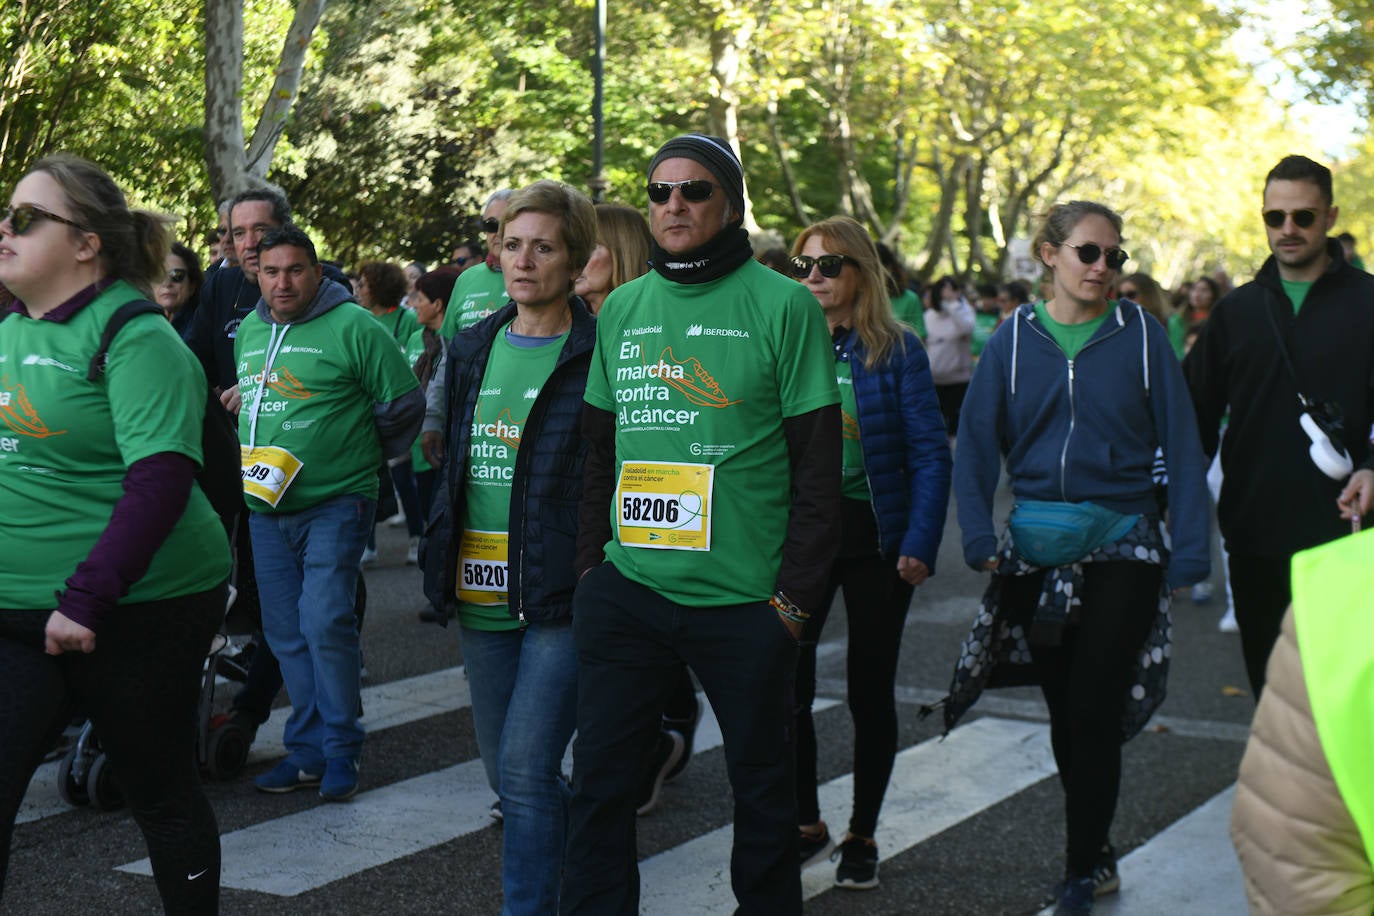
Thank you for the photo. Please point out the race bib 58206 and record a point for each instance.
(664, 505)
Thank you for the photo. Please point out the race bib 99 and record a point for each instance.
(664, 505)
(267, 471)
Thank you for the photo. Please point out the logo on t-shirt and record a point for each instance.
(19, 414)
(284, 382)
(531, 393)
(696, 330)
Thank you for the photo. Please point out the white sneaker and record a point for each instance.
(396, 521)
(369, 557)
(413, 552)
(1228, 624)
(1202, 593)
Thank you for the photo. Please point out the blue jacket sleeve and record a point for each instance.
(1190, 505)
(927, 458)
(978, 453)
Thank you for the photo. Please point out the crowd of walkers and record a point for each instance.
(635, 461)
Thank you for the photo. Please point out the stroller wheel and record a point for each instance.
(72, 790)
(227, 751)
(103, 789)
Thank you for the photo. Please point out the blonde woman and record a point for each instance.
(896, 489)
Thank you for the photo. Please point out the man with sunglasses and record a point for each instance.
(1303, 328)
(707, 526)
(481, 290)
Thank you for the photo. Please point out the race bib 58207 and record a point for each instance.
(482, 567)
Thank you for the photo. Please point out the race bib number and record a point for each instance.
(664, 505)
(267, 471)
(482, 562)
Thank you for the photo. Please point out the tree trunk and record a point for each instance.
(278, 105)
(224, 152)
(733, 29)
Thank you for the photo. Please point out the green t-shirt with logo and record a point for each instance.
(510, 384)
(699, 378)
(415, 348)
(66, 444)
(855, 482)
(325, 376)
(400, 323)
(1297, 292)
(1070, 337)
(479, 292)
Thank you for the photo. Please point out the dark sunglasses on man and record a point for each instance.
(1303, 218)
(491, 224)
(693, 190)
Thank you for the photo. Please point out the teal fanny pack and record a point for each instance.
(1055, 534)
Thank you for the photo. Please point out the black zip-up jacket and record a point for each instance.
(547, 484)
(1274, 501)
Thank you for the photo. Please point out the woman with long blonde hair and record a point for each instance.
(896, 488)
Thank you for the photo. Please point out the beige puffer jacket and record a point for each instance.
(1298, 846)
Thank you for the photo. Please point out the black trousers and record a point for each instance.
(876, 601)
(631, 645)
(1262, 589)
(140, 688)
(1085, 680)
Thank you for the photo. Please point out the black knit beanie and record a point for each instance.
(713, 153)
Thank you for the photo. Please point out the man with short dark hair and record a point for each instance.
(326, 397)
(1297, 341)
(709, 520)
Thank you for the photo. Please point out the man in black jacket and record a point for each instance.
(1302, 329)
(708, 522)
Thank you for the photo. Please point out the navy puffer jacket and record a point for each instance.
(905, 446)
(547, 485)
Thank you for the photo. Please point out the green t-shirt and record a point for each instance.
(855, 481)
(908, 308)
(400, 323)
(324, 378)
(479, 292)
(66, 444)
(984, 323)
(1297, 292)
(1070, 337)
(510, 383)
(700, 377)
(415, 348)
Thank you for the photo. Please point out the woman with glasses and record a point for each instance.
(178, 292)
(1144, 290)
(505, 518)
(896, 469)
(114, 570)
(1074, 395)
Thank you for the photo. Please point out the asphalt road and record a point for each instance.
(997, 859)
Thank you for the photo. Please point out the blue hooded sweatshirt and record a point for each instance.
(1083, 430)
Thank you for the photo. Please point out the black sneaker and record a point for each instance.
(815, 847)
(1106, 879)
(667, 752)
(858, 869)
(1077, 897)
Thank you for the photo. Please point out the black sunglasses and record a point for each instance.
(491, 224)
(176, 275)
(693, 190)
(460, 261)
(1275, 219)
(24, 216)
(1089, 252)
(830, 265)
(1130, 293)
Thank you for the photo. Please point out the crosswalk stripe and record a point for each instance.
(386, 706)
(934, 786)
(290, 855)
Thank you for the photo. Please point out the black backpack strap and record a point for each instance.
(122, 316)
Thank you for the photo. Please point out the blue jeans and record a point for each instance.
(307, 568)
(524, 706)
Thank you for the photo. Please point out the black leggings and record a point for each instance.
(876, 600)
(1085, 681)
(140, 689)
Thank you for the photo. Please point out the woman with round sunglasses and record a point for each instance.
(501, 546)
(1075, 395)
(896, 467)
(115, 578)
(178, 292)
